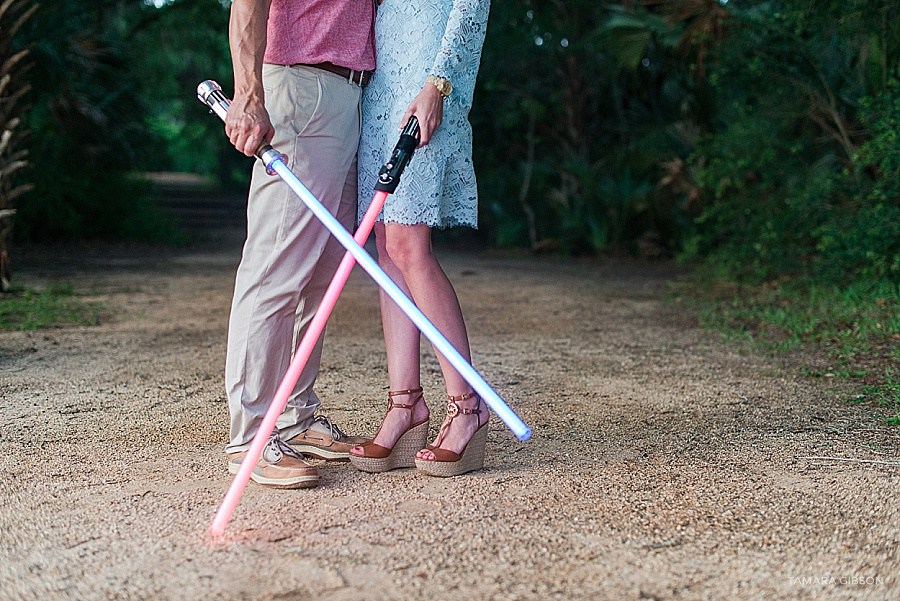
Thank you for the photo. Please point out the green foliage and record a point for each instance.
(860, 319)
(174, 48)
(854, 329)
(111, 86)
(578, 106)
(800, 174)
(13, 154)
(886, 394)
(87, 128)
(864, 239)
(760, 136)
(799, 228)
(54, 306)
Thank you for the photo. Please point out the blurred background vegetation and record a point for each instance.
(757, 139)
(112, 97)
(761, 136)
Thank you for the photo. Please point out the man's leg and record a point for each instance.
(298, 415)
(319, 437)
(316, 118)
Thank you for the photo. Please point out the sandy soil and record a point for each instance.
(664, 464)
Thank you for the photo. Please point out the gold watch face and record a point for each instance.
(443, 85)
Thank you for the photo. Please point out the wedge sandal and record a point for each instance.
(375, 458)
(447, 463)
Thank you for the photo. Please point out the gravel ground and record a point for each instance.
(664, 463)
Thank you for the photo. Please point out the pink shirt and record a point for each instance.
(322, 31)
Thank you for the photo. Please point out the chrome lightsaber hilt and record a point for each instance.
(210, 93)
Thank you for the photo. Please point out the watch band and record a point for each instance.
(442, 84)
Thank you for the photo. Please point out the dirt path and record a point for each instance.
(663, 465)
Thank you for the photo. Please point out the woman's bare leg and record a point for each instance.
(401, 338)
(409, 250)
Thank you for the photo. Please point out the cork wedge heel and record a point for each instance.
(374, 458)
(402, 454)
(447, 463)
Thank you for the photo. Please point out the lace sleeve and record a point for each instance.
(460, 52)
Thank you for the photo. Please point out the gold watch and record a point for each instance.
(442, 84)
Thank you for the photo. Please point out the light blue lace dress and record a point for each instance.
(415, 38)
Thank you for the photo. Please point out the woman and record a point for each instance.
(428, 53)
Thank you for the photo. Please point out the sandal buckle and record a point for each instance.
(452, 409)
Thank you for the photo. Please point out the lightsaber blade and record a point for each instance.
(301, 357)
(387, 182)
(522, 431)
(210, 93)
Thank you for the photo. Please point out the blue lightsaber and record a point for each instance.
(210, 93)
(365, 260)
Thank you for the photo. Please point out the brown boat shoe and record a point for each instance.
(324, 440)
(279, 467)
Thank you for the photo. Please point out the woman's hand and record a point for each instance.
(428, 108)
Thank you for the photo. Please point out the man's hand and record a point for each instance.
(428, 108)
(247, 123)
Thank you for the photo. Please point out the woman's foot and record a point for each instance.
(466, 414)
(401, 433)
(397, 420)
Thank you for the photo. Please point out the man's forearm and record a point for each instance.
(247, 38)
(247, 123)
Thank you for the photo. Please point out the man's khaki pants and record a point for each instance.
(289, 257)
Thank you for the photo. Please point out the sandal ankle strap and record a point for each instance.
(399, 392)
(462, 397)
(391, 404)
(453, 409)
(392, 393)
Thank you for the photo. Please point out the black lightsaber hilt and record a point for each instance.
(210, 93)
(389, 176)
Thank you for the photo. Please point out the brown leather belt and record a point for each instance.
(360, 78)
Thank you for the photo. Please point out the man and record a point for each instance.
(299, 69)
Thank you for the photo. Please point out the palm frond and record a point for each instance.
(13, 14)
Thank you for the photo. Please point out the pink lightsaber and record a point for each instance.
(210, 93)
